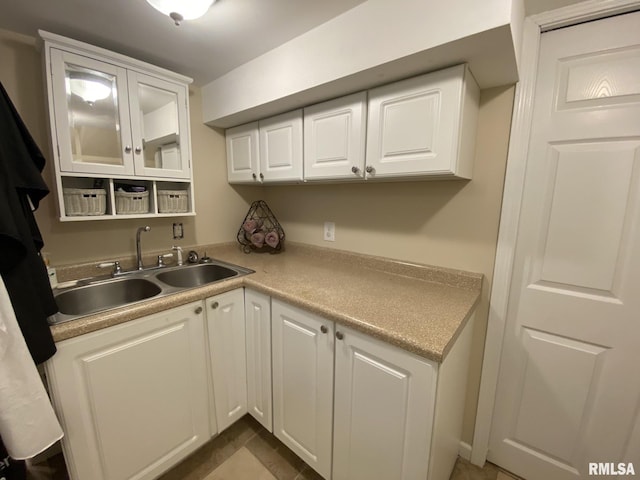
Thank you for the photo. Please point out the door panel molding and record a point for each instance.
(512, 196)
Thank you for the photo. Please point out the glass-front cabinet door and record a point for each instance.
(92, 115)
(159, 126)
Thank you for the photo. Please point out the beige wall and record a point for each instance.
(220, 207)
(446, 223)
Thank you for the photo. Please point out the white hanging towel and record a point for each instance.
(28, 424)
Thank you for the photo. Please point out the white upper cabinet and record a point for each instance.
(334, 138)
(243, 155)
(420, 128)
(120, 134)
(269, 151)
(281, 148)
(110, 120)
(91, 107)
(159, 126)
(423, 126)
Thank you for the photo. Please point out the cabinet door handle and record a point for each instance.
(339, 335)
(254, 176)
(261, 176)
(324, 329)
(370, 169)
(138, 150)
(127, 149)
(214, 305)
(355, 170)
(198, 310)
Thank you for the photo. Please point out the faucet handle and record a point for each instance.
(162, 257)
(116, 267)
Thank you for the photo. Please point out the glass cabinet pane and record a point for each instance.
(93, 116)
(159, 127)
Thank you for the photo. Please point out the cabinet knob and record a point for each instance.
(127, 149)
(339, 335)
(370, 169)
(254, 176)
(324, 329)
(198, 310)
(214, 305)
(138, 150)
(261, 176)
(355, 170)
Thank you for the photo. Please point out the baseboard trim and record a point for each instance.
(465, 451)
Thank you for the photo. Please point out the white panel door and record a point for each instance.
(413, 125)
(227, 352)
(334, 138)
(132, 398)
(383, 412)
(303, 384)
(568, 390)
(281, 148)
(243, 155)
(257, 308)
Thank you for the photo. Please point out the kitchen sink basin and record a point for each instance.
(104, 295)
(196, 275)
(96, 295)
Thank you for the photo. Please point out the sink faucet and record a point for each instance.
(138, 247)
(178, 250)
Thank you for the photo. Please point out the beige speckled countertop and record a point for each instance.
(419, 308)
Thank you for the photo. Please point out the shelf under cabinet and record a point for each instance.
(161, 198)
(80, 218)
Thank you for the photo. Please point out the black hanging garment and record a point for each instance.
(22, 269)
(11, 469)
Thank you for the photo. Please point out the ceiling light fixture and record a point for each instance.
(89, 87)
(180, 10)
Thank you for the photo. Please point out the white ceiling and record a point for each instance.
(230, 34)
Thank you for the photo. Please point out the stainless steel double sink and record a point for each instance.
(90, 296)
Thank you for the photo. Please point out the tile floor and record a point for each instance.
(246, 451)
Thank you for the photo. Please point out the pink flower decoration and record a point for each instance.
(250, 226)
(257, 239)
(272, 239)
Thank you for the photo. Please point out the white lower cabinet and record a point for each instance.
(386, 414)
(227, 354)
(302, 349)
(257, 308)
(136, 398)
(383, 411)
(132, 399)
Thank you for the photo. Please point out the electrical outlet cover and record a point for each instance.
(330, 231)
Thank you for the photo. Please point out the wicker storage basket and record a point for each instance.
(128, 203)
(84, 201)
(173, 201)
